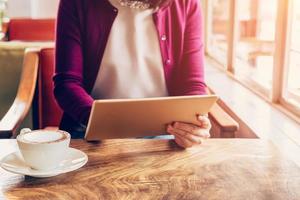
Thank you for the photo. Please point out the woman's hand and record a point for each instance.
(187, 135)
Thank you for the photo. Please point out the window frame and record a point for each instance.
(210, 50)
(286, 62)
(276, 96)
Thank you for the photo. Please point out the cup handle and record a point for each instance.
(25, 130)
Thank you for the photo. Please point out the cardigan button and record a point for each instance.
(115, 10)
(168, 61)
(163, 37)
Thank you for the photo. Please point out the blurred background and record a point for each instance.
(258, 42)
(31, 8)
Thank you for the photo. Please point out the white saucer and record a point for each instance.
(14, 163)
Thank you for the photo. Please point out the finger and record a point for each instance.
(193, 138)
(172, 130)
(181, 134)
(185, 126)
(183, 142)
(188, 141)
(203, 118)
(205, 122)
(201, 132)
(193, 129)
(185, 135)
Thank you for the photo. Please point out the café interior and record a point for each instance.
(252, 64)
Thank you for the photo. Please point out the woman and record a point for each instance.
(129, 49)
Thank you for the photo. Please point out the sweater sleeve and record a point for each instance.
(191, 74)
(68, 79)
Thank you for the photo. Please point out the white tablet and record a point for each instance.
(131, 118)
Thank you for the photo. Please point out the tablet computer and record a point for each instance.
(131, 118)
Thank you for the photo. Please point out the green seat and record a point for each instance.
(11, 63)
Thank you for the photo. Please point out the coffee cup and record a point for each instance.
(43, 149)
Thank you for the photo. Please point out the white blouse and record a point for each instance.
(132, 64)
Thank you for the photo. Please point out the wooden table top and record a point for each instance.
(158, 169)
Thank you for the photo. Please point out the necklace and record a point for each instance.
(135, 4)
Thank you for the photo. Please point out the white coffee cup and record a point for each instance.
(43, 149)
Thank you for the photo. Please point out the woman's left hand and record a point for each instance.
(188, 135)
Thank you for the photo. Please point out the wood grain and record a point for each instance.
(158, 169)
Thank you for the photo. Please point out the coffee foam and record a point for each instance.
(44, 136)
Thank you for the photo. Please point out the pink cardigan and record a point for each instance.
(83, 27)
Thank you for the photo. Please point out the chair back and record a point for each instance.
(11, 66)
(31, 29)
(47, 111)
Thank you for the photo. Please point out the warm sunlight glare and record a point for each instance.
(294, 52)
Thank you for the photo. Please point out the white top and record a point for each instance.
(132, 65)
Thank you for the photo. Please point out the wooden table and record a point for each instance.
(158, 169)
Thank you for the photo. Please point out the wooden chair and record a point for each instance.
(48, 114)
(223, 125)
(22, 103)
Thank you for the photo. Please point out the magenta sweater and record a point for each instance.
(83, 27)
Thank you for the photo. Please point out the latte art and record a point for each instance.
(43, 136)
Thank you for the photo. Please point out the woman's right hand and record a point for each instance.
(188, 135)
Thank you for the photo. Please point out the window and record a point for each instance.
(241, 36)
(292, 85)
(218, 29)
(255, 42)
